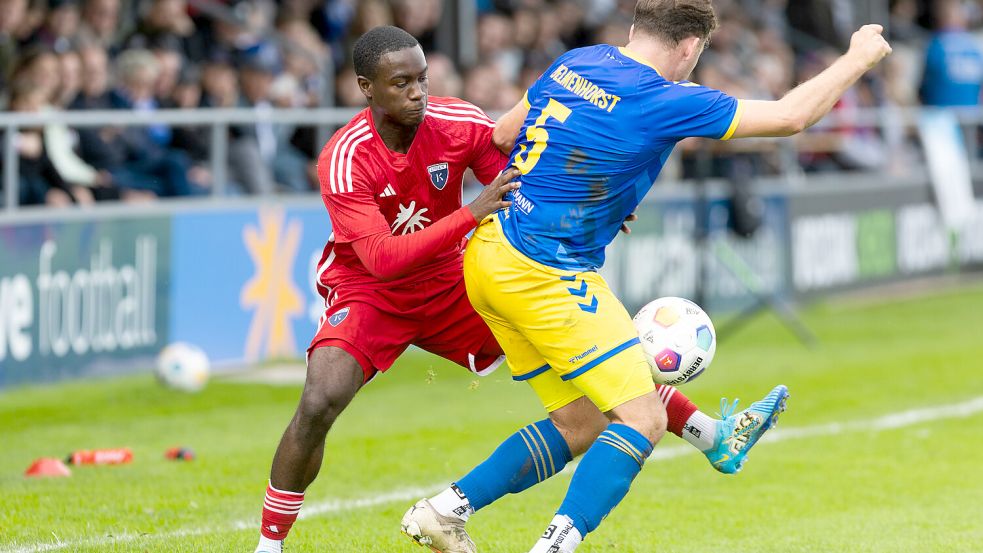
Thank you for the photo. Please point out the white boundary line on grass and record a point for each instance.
(878, 424)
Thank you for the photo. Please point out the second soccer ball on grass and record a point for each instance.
(678, 339)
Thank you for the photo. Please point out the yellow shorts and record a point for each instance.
(563, 332)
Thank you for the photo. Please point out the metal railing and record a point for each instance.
(218, 119)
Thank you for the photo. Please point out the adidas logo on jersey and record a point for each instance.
(388, 191)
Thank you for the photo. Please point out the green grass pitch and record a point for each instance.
(880, 450)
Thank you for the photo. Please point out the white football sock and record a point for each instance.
(266, 545)
(700, 430)
(560, 537)
(452, 503)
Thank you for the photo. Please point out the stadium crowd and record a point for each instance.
(259, 54)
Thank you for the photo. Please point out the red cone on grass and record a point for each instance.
(48, 466)
(115, 456)
(180, 454)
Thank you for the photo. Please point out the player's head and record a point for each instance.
(682, 26)
(392, 74)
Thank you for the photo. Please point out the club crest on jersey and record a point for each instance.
(438, 175)
(337, 318)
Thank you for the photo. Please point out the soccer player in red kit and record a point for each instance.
(391, 180)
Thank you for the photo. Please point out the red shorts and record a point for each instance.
(376, 326)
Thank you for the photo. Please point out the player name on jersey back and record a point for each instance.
(583, 87)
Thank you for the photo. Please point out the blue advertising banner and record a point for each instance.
(242, 282)
(82, 298)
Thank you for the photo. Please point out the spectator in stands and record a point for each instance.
(368, 14)
(39, 66)
(39, 181)
(167, 51)
(347, 92)
(827, 22)
(485, 88)
(305, 59)
(280, 165)
(32, 20)
(953, 61)
(496, 46)
(903, 25)
(419, 18)
(219, 82)
(442, 76)
(168, 17)
(61, 23)
(151, 164)
(60, 142)
(100, 22)
(548, 45)
(193, 140)
(12, 14)
(335, 21)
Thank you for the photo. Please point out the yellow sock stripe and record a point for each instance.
(539, 475)
(618, 446)
(549, 454)
(630, 446)
(539, 450)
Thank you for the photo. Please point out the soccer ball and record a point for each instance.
(182, 366)
(678, 339)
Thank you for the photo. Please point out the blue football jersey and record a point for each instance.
(601, 125)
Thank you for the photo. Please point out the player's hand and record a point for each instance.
(629, 219)
(490, 200)
(868, 45)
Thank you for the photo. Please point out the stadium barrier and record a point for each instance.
(101, 291)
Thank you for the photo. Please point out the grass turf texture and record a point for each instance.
(915, 488)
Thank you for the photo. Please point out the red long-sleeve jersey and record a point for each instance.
(397, 218)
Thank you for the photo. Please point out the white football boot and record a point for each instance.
(442, 534)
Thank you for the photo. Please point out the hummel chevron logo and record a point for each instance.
(388, 191)
(579, 292)
(590, 308)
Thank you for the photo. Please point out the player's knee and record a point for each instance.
(579, 423)
(645, 414)
(333, 378)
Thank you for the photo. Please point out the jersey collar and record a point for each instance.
(629, 54)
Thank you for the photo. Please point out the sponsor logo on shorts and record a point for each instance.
(339, 317)
(584, 355)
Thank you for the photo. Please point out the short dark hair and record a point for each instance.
(376, 43)
(675, 20)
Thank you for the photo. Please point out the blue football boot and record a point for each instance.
(738, 432)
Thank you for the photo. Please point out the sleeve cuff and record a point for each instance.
(734, 122)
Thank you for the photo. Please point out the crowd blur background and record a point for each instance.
(260, 54)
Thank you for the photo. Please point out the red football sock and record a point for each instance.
(280, 510)
(678, 407)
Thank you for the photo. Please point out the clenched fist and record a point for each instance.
(868, 46)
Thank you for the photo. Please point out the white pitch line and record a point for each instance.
(887, 422)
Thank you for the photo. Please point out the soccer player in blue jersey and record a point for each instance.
(593, 133)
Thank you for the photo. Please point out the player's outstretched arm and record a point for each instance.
(389, 257)
(507, 127)
(812, 100)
